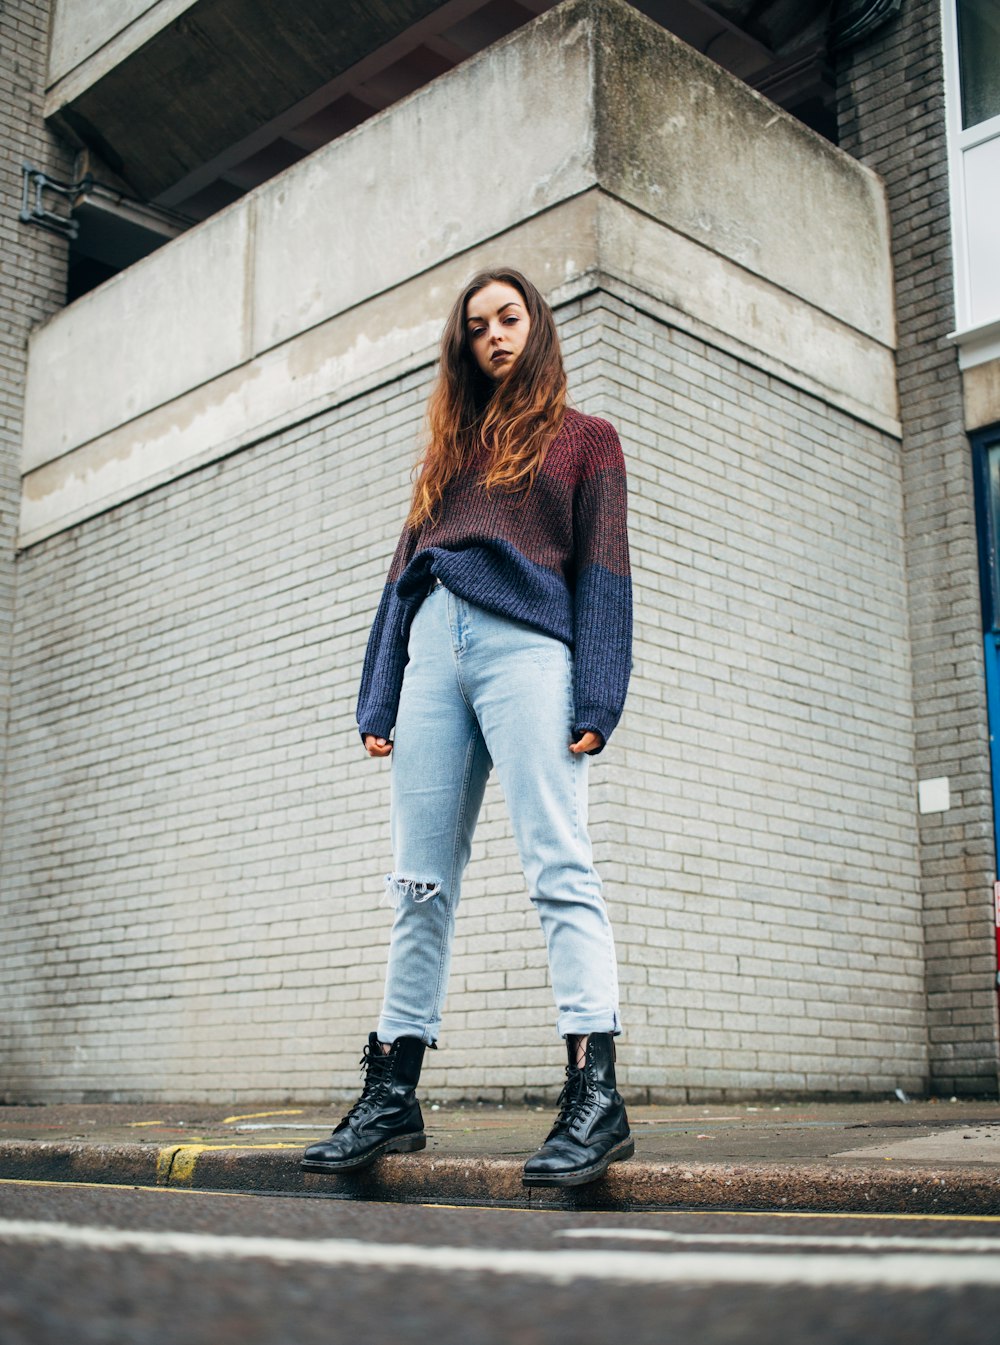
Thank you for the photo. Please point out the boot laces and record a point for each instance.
(577, 1093)
(376, 1068)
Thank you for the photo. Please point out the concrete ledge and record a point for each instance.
(472, 1180)
(590, 241)
(744, 224)
(119, 1164)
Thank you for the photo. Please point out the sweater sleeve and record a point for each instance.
(602, 650)
(386, 656)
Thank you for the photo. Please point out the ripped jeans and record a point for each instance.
(482, 691)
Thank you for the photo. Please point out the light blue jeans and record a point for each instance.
(480, 691)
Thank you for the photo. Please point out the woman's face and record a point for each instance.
(497, 325)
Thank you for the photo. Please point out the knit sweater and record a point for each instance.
(556, 559)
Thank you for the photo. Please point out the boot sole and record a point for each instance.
(582, 1176)
(402, 1144)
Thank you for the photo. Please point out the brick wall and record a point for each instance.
(773, 936)
(892, 118)
(197, 843)
(32, 273)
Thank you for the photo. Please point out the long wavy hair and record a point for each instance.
(512, 421)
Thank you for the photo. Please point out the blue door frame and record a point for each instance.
(986, 468)
(991, 663)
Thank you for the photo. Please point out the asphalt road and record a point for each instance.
(87, 1265)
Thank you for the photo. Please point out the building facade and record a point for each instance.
(761, 230)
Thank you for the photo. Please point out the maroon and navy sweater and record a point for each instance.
(556, 559)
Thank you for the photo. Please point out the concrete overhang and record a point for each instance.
(591, 148)
(177, 82)
(193, 102)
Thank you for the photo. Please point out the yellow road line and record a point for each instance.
(844, 1214)
(256, 1115)
(125, 1186)
(711, 1213)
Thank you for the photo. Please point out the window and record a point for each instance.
(979, 60)
(971, 36)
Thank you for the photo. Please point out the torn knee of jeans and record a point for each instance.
(417, 889)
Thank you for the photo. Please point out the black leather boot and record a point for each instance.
(591, 1131)
(385, 1119)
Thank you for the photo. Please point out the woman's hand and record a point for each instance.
(588, 741)
(377, 747)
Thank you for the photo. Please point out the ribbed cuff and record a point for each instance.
(597, 721)
(377, 727)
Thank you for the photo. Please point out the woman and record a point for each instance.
(503, 640)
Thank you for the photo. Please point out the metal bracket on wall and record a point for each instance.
(34, 185)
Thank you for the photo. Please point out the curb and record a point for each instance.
(631, 1186)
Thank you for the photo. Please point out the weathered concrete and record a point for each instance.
(319, 283)
(238, 63)
(564, 249)
(682, 140)
(101, 33)
(767, 1157)
(149, 335)
(972, 1144)
(981, 388)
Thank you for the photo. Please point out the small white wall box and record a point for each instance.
(934, 796)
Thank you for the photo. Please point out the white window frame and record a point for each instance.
(979, 343)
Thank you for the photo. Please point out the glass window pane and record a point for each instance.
(979, 59)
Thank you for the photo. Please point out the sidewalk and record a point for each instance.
(935, 1157)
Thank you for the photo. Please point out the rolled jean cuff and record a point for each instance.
(580, 1025)
(388, 1031)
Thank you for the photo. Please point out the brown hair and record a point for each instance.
(514, 420)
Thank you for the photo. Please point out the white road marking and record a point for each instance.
(870, 1216)
(789, 1241)
(901, 1271)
